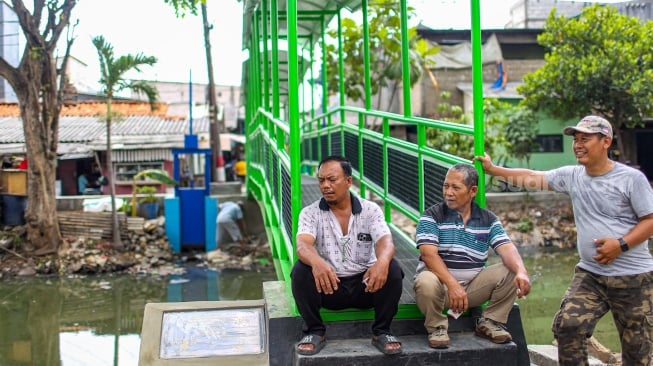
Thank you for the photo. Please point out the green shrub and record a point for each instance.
(525, 225)
(148, 192)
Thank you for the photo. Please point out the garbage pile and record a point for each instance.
(146, 252)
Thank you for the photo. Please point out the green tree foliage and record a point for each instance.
(450, 142)
(385, 52)
(510, 130)
(598, 63)
(112, 80)
(182, 7)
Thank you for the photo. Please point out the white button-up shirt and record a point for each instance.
(354, 252)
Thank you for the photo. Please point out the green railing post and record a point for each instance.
(274, 26)
(266, 65)
(293, 118)
(361, 161)
(366, 58)
(386, 183)
(477, 87)
(325, 86)
(312, 82)
(255, 58)
(421, 141)
(405, 61)
(341, 69)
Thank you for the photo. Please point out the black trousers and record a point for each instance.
(350, 294)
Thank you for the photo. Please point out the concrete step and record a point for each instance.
(465, 349)
(547, 355)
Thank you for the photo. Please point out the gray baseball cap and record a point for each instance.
(590, 124)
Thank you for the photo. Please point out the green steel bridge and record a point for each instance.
(288, 133)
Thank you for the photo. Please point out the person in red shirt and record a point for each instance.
(23, 164)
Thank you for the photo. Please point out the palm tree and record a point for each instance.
(113, 81)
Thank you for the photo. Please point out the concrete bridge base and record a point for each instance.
(348, 342)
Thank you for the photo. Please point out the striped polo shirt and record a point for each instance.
(463, 248)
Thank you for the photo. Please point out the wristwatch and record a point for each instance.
(624, 245)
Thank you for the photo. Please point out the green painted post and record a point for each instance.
(325, 87)
(293, 117)
(477, 87)
(368, 95)
(405, 61)
(386, 183)
(312, 52)
(266, 64)
(361, 161)
(255, 57)
(366, 58)
(274, 26)
(421, 141)
(341, 69)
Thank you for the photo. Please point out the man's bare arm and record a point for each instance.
(326, 280)
(527, 178)
(377, 275)
(511, 259)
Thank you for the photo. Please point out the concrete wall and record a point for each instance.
(448, 78)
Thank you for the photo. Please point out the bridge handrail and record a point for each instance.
(421, 121)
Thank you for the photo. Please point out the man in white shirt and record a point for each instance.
(346, 260)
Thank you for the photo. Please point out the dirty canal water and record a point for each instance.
(97, 320)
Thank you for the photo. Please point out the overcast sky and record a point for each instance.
(150, 26)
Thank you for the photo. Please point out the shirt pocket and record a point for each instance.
(481, 241)
(363, 251)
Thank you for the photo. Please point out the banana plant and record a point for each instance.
(158, 175)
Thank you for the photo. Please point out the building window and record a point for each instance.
(126, 171)
(547, 144)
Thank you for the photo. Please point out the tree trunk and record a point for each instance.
(117, 242)
(214, 127)
(623, 154)
(41, 214)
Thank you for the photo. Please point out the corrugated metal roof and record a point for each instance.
(129, 131)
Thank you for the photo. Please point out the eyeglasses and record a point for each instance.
(346, 248)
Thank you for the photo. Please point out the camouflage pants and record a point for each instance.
(588, 298)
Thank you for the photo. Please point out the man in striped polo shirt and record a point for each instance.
(454, 238)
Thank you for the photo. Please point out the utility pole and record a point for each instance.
(217, 170)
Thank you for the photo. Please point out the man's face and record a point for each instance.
(456, 194)
(333, 183)
(590, 147)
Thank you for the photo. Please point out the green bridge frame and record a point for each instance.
(284, 142)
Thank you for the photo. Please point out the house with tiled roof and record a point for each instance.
(141, 139)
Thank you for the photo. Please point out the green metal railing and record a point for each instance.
(286, 140)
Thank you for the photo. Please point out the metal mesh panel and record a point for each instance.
(324, 146)
(402, 177)
(286, 208)
(306, 149)
(314, 148)
(336, 143)
(309, 149)
(433, 181)
(351, 149)
(255, 156)
(373, 155)
(265, 155)
(275, 177)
